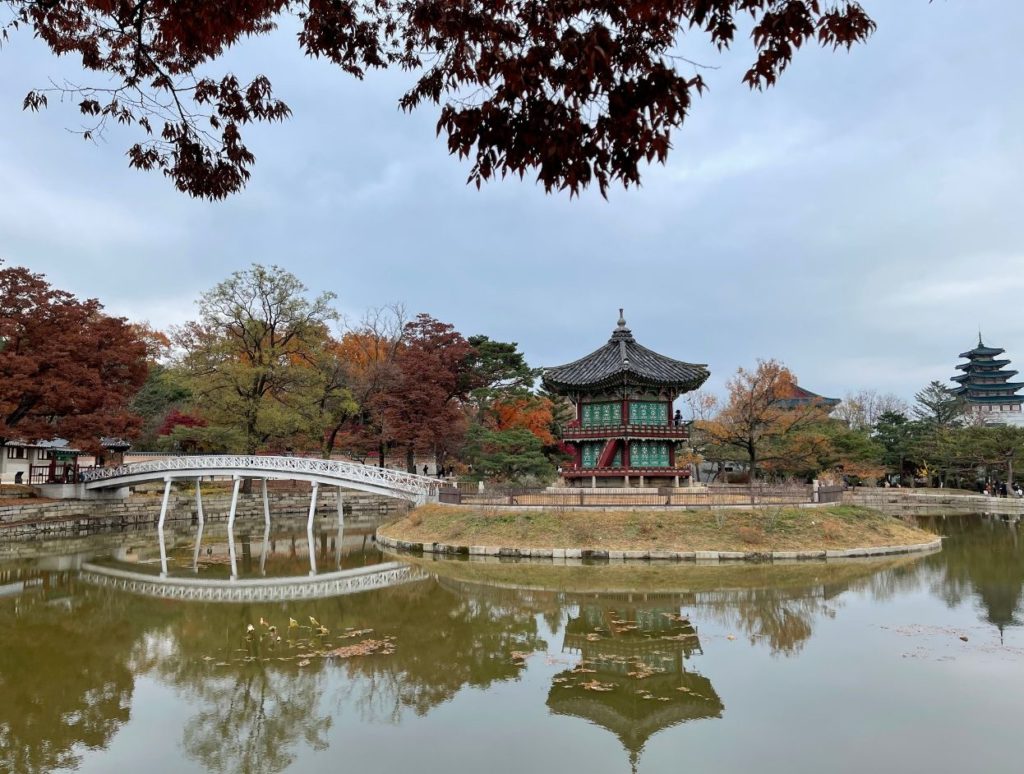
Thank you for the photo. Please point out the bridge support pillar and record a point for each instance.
(231, 527)
(202, 522)
(309, 529)
(160, 527)
(266, 529)
(341, 526)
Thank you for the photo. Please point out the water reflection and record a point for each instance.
(983, 559)
(631, 677)
(71, 655)
(64, 683)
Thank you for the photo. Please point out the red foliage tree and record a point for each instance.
(66, 369)
(177, 418)
(579, 92)
(423, 410)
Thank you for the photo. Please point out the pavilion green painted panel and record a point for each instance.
(601, 414)
(647, 412)
(591, 453)
(649, 454)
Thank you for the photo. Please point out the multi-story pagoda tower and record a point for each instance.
(626, 432)
(986, 387)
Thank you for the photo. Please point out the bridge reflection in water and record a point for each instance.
(330, 584)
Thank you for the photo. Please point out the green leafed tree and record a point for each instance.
(166, 388)
(938, 405)
(507, 455)
(897, 436)
(248, 357)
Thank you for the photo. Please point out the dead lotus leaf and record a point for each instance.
(597, 685)
(364, 648)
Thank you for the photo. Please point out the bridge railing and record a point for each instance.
(269, 467)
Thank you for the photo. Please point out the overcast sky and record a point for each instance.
(859, 221)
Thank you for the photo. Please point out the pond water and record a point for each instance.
(908, 664)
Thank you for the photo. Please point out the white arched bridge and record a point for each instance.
(349, 475)
(330, 584)
(344, 475)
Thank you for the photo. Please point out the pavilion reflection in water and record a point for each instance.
(632, 677)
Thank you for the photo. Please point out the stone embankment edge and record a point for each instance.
(678, 556)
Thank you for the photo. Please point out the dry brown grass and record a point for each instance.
(788, 529)
(750, 534)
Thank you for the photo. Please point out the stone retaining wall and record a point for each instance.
(907, 501)
(559, 554)
(67, 516)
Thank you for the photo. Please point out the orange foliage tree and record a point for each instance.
(524, 412)
(759, 425)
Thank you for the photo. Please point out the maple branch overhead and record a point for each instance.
(578, 92)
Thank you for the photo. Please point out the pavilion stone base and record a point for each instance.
(635, 483)
(632, 490)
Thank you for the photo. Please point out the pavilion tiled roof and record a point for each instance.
(623, 361)
(982, 351)
(982, 366)
(983, 375)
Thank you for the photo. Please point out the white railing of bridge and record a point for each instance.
(272, 467)
(331, 584)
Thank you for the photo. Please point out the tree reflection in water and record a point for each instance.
(984, 557)
(62, 686)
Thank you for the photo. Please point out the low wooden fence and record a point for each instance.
(697, 497)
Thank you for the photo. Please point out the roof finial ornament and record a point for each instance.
(979, 337)
(622, 319)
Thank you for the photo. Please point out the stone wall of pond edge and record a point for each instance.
(31, 519)
(898, 501)
(677, 556)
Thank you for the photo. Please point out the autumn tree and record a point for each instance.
(248, 356)
(578, 93)
(423, 411)
(761, 426)
(370, 350)
(66, 368)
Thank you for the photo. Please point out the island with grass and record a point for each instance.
(755, 533)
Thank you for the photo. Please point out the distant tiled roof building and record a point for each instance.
(985, 385)
(797, 397)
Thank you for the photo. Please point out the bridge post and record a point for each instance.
(231, 526)
(202, 521)
(309, 529)
(341, 526)
(266, 529)
(160, 526)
